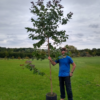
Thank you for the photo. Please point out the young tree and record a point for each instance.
(45, 25)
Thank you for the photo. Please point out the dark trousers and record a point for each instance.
(65, 81)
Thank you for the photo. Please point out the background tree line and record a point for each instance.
(16, 52)
(28, 52)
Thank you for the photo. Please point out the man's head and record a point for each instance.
(63, 51)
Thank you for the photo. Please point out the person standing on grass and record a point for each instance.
(64, 73)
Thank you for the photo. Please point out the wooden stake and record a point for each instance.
(50, 67)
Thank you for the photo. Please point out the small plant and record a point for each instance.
(28, 64)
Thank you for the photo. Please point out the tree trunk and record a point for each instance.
(50, 67)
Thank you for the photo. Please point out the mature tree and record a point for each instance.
(45, 25)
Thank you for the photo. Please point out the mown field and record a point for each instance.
(18, 83)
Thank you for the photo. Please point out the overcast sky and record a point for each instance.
(83, 29)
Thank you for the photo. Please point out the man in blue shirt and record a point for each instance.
(64, 73)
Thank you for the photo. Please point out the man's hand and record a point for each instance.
(71, 74)
(49, 58)
(73, 68)
(52, 62)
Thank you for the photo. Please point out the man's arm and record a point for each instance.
(52, 62)
(73, 68)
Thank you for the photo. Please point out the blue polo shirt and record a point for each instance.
(64, 65)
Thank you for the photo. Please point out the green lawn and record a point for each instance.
(17, 83)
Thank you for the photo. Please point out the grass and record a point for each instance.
(17, 83)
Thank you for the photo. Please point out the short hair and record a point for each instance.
(63, 49)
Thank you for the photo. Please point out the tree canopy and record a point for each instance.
(46, 24)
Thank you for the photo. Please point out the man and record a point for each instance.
(64, 73)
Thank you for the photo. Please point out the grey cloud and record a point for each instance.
(2, 25)
(81, 2)
(79, 35)
(94, 26)
(15, 41)
(1, 39)
(69, 31)
(96, 32)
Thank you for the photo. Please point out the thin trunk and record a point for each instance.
(50, 67)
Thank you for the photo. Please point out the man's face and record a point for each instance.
(63, 52)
